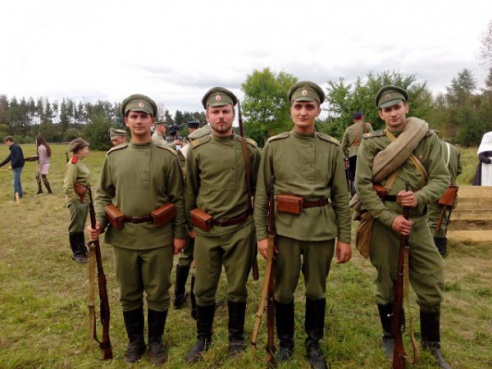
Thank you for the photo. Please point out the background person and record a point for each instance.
(76, 173)
(483, 174)
(16, 159)
(44, 155)
(117, 136)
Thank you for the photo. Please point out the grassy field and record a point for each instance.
(43, 296)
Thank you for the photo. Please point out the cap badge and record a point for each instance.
(304, 92)
(387, 97)
(141, 104)
(218, 98)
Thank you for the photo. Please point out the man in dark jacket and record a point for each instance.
(16, 158)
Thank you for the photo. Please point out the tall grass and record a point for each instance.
(43, 296)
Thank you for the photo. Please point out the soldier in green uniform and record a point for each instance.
(351, 141)
(427, 177)
(308, 165)
(117, 136)
(138, 178)
(216, 185)
(452, 159)
(78, 205)
(159, 135)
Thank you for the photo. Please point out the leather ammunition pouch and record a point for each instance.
(364, 234)
(163, 214)
(448, 198)
(382, 193)
(201, 220)
(291, 204)
(80, 190)
(114, 216)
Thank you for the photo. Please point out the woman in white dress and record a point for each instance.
(44, 154)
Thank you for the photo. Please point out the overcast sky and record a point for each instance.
(174, 51)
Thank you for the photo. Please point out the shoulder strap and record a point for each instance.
(413, 159)
(449, 153)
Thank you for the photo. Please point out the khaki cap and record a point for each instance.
(113, 132)
(306, 91)
(77, 145)
(138, 102)
(390, 95)
(218, 96)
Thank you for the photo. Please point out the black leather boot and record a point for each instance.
(193, 298)
(284, 321)
(442, 245)
(46, 184)
(82, 246)
(314, 324)
(431, 336)
(38, 181)
(180, 286)
(385, 315)
(204, 322)
(134, 323)
(156, 322)
(237, 310)
(77, 255)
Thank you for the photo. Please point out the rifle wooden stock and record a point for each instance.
(398, 321)
(105, 343)
(447, 202)
(247, 169)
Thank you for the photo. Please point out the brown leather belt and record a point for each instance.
(232, 221)
(314, 204)
(390, 198)
(138, 220)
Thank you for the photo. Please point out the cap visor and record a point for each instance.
(387, 104)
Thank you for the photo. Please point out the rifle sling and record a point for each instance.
(247, 169)
(91, 300)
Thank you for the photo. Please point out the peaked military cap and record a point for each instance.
(390, 95)
(113, 132)
(193, 124)
(138, 102)
(218, 96)
(357, 115)
(306, 91)
(174, 129)
(160, 122)
(77, 145)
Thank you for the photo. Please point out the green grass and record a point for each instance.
(43, 296)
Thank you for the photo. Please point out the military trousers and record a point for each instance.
(234, 252)
(426, 265)
(78, 216)
(144, 270)
(186, 256)
(312, 257)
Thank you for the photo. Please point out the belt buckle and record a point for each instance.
(222, 222)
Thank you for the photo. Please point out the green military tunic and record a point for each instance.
(426, 266)
(76, 172)
(216, 184)
(310, 166)
(137, 179)
(452, 159)
(353, 137)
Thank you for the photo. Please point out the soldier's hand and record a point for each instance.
(344, 252)
(402, 226)
(94, 233)
(178, 245)
(262, 247)
(408, 198)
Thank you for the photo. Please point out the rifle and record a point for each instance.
(447, 203)
(267, 292)
(95, 258)
(247, 169)
(398, 316)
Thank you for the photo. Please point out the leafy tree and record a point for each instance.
(71, 134)
(266, 107)
(344, 99)
(96, 132)
(168, 118)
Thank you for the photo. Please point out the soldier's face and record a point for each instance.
(303, 114)
(395, 116)
(139, 123)
(221, 118)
